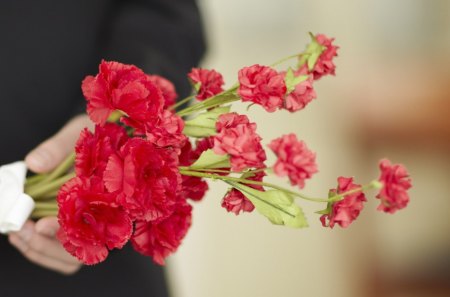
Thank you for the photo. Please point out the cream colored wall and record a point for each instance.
(244, 256)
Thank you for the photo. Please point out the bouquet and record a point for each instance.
(136, 175)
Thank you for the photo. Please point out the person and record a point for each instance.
(47, 49)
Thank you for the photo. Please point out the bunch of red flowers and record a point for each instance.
(136, 173)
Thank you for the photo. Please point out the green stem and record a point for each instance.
(372, 185)
(40, 190)
(211, 102)
(49, 195)
(32, 180)
(45, 205)
(37, 214)
(285, 59)
(181, 102)
(252, 182)
(238, 186)
(221, 170)
(60, 170)
(206, 170)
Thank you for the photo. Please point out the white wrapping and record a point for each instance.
(15, 205)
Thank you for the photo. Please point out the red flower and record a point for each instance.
(91, 220)
(146, 179)
(344, 211)
(237, 137)
(324, 64)
(191, 187)
(202, 145)
(121, 87)
(396, 182)
(294, 159)
(234, 201)
(166, 130)
(300, 96)
(167, 88)
(210, 81)
(94, 150)
(158, 239)
(262, 85)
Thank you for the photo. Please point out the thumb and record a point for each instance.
(47, 226)
(52, 152)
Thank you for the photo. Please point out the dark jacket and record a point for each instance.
(46, 49)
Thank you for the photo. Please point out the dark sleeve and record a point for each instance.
(163, 37)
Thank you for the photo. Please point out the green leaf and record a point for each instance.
(324, 211)
(204, 124)
(312, 53)
(276, 205)
(329, 208)
(197, 86)
(209, 160)
(292, 81)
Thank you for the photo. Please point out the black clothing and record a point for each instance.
(46, 49)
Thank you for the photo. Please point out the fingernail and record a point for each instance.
(25, 233)
(39, 158)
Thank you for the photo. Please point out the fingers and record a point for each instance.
(42, 249)
(51, 152)
(47, 226)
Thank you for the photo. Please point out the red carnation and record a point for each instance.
(237, 137)
(262, 85)
(396, 182)
(324, 64)
(344, 211)
(300, 96)
(191, 187)
(167, 88)
(210, 82)
(166, 130)
(121, 87)
(159, 239)
(294, 159)
(146, 178)
(234, 201)
(202, 145)
(91, 220)
(94, 149)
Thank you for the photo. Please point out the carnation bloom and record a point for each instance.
(202, 145)
(237, 137)
(121, 87)
(294, 159)
(396, 182)
(91, 220)
(324, 64)
(262, 85)
(300, 96)
(145, 178)
(345, 211)
(210, 82)
(234, 201)
(191, 187)
(167, 88)
(158, 239)
(166, 130)
(94, 149)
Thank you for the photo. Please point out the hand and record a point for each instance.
(38, 243)
(54, 150)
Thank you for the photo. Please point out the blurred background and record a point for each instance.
(390, 97)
